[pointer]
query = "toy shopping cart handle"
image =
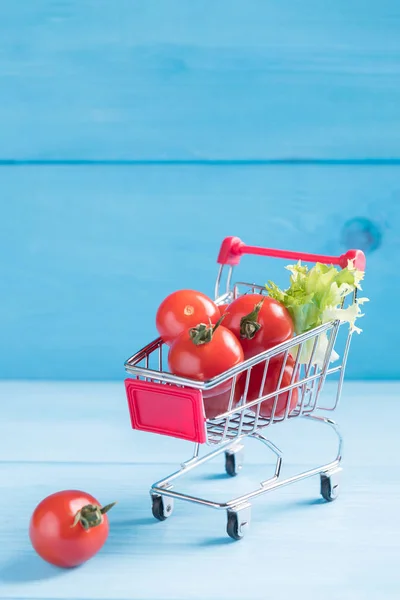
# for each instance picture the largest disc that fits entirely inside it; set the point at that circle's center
(232, 249)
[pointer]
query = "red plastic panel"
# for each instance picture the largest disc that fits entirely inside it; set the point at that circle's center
(166, 410)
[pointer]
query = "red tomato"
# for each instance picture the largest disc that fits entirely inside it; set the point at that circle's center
(182, 310)
(270, 386)
(68, 527)
(259, 322)
(203, 353)
(222, 308)
(218, 404)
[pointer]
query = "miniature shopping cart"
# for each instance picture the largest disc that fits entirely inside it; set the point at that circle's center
(163, 403)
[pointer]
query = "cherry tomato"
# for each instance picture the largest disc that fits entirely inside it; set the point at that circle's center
(270, 386)
(204, 352)
(182, 310)
(222, 308)
(68, 527)
(218, 404)
(259, 322)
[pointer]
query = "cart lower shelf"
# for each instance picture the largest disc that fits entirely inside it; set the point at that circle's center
(239, 509)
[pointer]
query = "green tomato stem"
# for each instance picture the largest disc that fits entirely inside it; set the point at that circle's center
(91, 515)
(249, 324)
(202, 333)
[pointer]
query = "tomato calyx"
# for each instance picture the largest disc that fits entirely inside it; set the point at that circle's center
(91, 515)
(249, 324)
(202, 333)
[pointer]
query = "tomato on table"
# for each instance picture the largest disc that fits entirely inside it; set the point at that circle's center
(69, 527)
(182, 310)
(259, 322)
(204, 352)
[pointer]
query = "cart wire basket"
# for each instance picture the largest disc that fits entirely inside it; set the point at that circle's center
(162, 403)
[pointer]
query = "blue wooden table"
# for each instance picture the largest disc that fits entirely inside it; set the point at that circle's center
(77, 435)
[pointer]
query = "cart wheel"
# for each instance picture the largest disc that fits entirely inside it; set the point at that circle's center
(238, 523)
(234, 461)
(162, 507)
(330, 485)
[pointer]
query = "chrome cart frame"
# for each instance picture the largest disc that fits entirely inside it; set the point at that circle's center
(227, 431)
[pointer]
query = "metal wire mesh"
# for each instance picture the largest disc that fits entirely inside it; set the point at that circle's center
(242, 414)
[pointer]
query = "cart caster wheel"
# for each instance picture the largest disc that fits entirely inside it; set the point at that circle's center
(330, 485)
(234, 461)
(162, 507)
(238, 523)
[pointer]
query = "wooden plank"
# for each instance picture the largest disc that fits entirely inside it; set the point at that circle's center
(90, 252)
(291, 532)
(302, 539)
(88, 422)
(169, 79)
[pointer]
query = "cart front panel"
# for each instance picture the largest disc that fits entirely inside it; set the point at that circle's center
(166, 410)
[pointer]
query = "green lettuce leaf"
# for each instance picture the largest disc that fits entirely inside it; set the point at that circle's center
(316, 296)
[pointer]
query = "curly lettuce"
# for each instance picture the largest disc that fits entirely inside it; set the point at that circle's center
(316, 296)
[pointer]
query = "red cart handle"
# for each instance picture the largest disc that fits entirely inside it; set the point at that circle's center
(232, 249)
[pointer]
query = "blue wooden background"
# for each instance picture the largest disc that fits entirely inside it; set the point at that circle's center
(135, 135)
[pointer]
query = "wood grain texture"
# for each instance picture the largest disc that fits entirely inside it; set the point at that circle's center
(39, 418)
(89, 252)
(168, 79)
(297, 546)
